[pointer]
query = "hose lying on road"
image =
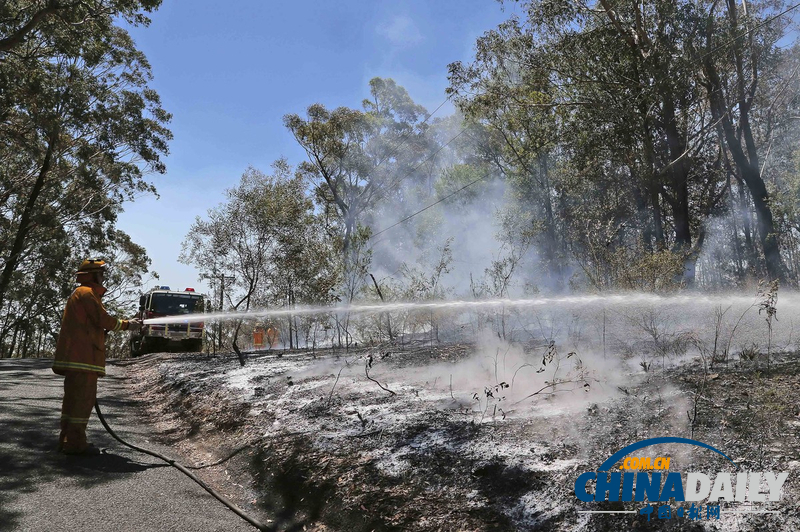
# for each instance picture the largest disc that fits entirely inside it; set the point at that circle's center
(238, 511)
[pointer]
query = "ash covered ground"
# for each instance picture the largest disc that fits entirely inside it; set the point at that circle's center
(488, 435)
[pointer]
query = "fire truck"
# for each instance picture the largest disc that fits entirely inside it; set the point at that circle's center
(160, 302)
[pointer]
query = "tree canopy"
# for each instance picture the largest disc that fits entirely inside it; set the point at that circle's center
(79, 130)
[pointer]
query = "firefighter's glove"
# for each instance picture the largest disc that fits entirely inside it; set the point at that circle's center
(134, 325)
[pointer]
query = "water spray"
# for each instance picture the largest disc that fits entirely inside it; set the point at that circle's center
(619, 300)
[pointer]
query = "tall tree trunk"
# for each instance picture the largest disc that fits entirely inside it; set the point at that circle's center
(679, 181)
(743, 207)
(653, 184)
(25, 222)
(766, 227)
(290, 320)
(550, 224)
(645, 221)
(658, 219)
(744, 157)
(26, 343)
(747, 224)
(39, 344)
(737, 245)
(13, 341)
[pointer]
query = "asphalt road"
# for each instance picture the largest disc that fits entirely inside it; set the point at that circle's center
(120, 490)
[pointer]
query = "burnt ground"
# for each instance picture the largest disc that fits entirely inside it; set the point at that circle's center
(380, 440)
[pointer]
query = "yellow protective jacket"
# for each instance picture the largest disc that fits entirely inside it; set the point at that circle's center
(82, 341)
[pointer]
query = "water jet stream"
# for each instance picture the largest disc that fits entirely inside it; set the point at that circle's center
(615, 300)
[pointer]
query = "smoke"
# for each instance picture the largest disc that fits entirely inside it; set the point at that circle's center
(496, 380)
(721, 260)
(594, 360)
(468, 223)
(471, 230)
(501, 379)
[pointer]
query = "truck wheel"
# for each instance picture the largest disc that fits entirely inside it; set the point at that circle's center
(138, 347)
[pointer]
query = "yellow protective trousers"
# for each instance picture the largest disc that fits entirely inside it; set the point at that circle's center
(80, 392)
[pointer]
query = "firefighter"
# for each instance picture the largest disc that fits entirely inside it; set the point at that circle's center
(81, 354)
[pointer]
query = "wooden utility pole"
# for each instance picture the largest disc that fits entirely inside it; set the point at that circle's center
(222, 280)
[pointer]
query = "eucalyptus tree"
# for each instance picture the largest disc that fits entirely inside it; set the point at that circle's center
(79, 131)
(63, 24)
(739, 50)
(622, 96)
(506, 91)
(359, 157)
(267, 236)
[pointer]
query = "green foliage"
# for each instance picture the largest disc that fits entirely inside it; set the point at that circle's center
(621, 114)
(80, 130)
(356, 158)
(268, 239)
(42, 28)
(606, 267)
(457, 177)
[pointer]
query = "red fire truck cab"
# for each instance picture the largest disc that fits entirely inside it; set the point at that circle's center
(160, 302)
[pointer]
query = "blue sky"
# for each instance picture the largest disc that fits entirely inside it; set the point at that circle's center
(229, 74)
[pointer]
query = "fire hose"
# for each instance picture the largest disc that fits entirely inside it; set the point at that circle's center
(183, 469)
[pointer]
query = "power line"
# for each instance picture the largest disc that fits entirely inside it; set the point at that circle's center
(404, 137)
(754, 28)
(713, 50)
(410, 172)
(484, 176)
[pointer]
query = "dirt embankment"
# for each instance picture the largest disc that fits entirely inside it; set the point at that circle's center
(384, 440)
